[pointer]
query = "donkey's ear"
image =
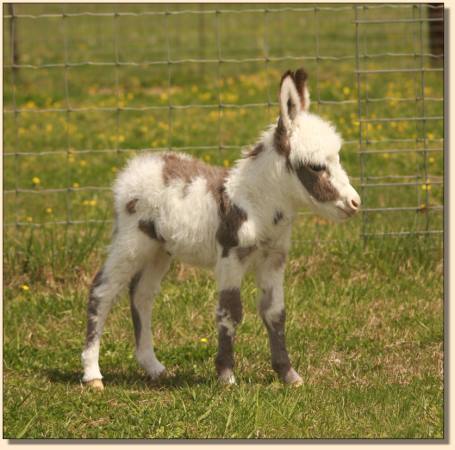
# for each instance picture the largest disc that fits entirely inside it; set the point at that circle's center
(290, 104)
(300, 79)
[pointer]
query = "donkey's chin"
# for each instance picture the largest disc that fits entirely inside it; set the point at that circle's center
(330, 212)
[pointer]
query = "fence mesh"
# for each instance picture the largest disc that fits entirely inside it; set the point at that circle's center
(87, 86)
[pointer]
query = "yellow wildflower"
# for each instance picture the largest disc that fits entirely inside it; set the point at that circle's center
(207, 158)
(346, 91)
(226, 163)
(49, 128)
(29, 219)
(83, 162)
(25, 288)
(49, 210)
(203, 340)
(431, 160)
(36, 181)
(114, 169)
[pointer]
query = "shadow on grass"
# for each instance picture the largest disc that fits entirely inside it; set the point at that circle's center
(131, 379)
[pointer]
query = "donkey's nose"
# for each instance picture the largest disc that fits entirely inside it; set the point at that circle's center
(354, 203)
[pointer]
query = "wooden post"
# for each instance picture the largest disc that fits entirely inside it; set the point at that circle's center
(13, 38)
(436, 32)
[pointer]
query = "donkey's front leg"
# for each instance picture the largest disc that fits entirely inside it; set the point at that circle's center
(229, 275)
(270, 275)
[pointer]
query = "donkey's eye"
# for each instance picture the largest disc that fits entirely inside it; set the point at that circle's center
(316, 167)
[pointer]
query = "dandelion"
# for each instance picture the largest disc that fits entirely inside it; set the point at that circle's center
(25, 287)
(205, 96)
(203, 340)
(29, 219)
(30, 105)
(207, 158)
(346, 91)
(36, 181)
(431, 160)
(82, 162)
(49, 210)
(430, 136)
(386, 156)
(226, 163)
(164, 96)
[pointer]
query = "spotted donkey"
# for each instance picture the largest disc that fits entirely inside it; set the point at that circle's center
(170, 205)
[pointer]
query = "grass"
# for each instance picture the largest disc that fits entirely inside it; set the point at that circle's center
(365, 318)
(364, 330)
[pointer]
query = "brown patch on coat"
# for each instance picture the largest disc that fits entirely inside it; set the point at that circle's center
(280, 358)
(231, 219)
(229, 303)
(278, 217)
(131, 206)
(148, 227)
(317, 183)
(244, 252)
(187, 169)
(92, 308)
(281, 143)
(256, 151)
(134, 311)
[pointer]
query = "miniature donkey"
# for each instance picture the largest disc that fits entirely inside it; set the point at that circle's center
(169, 205)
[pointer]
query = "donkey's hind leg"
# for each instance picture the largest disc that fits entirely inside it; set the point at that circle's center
(144, 286)
(115, 275)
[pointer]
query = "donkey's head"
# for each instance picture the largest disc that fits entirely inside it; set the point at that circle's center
(311, 146)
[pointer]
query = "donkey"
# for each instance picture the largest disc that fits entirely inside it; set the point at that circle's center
(169, 205)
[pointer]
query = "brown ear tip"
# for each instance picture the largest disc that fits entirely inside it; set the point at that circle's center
(301, 74)
(286, 74)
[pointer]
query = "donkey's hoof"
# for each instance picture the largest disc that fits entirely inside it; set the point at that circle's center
(292, 378)
(95, 384)
(157, 372)
(226, 378)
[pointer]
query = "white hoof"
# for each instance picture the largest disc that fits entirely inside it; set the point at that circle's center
(95, 384)
(292, 378)
(155, 371)
(226, 378)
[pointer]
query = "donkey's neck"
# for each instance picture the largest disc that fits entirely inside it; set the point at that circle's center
(260, 183)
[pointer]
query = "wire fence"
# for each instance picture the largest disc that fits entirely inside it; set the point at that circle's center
(86, 86)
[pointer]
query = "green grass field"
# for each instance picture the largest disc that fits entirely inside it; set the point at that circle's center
(365, 317)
